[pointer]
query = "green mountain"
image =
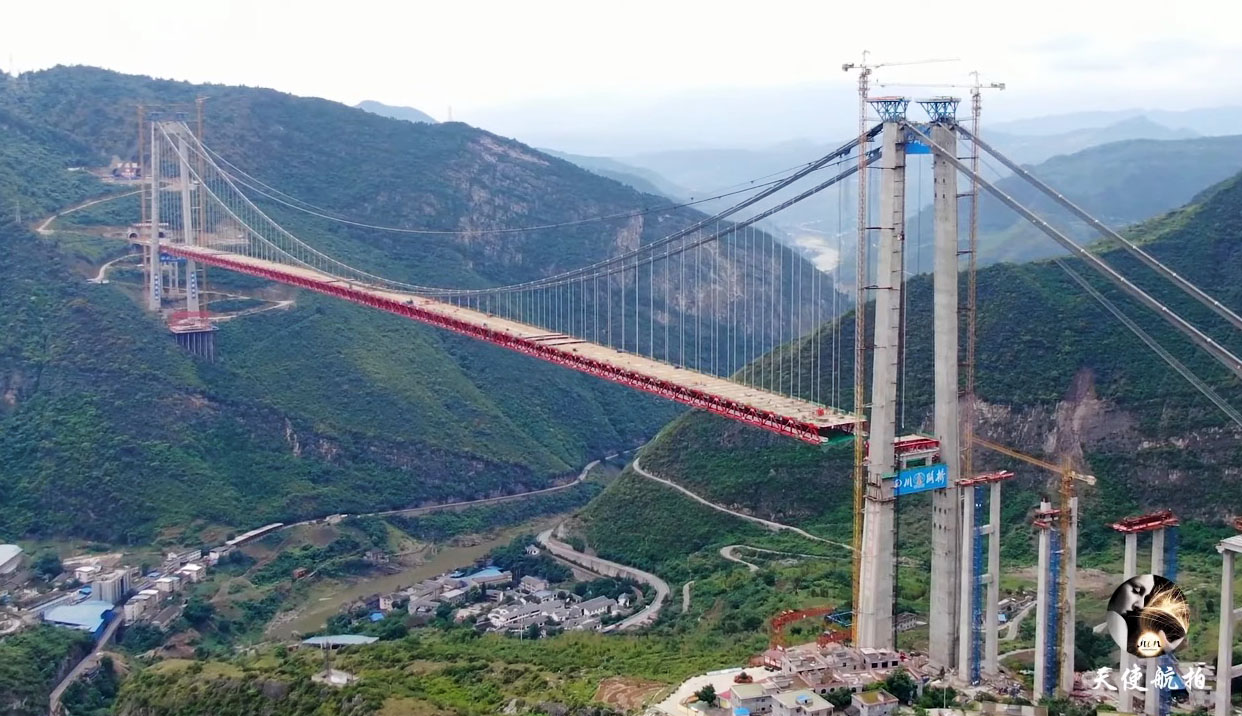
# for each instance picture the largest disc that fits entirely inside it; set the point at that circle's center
(643, 180)
(408, 114)
(1119, 183)
(108, 431)
(1056, 375)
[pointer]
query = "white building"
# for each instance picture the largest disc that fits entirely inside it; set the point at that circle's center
(86, 573)
(192, 572)
(10, 558)
(873, 703)
(136, 607)
(752, 697)
(598, 606)
(800, 703)
(111, 587)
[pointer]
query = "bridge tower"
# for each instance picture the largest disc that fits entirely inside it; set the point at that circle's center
(948, 605)
(151, 253)
(878, 563)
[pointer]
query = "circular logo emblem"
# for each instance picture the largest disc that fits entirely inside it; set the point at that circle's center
(1148, 616)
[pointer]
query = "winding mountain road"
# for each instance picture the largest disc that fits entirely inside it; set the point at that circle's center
(44, 228)
(769, 524)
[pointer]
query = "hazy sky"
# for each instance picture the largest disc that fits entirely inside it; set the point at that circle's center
(523, 63)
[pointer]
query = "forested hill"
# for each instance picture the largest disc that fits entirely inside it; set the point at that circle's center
(1119, 183)
(108, 431)
(1056, 375)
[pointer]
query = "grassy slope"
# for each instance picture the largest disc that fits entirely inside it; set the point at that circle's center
(1119, 183)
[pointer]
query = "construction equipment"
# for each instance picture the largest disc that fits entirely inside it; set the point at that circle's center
(860, 289)
(1064, 515)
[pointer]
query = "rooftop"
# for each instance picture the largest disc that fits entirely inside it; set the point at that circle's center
(9, 551)
(339, 640)
(485, 573)
(746, 691)
(874, 698)
(802, 697)
(87, 615)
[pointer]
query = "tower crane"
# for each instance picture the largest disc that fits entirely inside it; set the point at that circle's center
(865, 68)
(1069, 477)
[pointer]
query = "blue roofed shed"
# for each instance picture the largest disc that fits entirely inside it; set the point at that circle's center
(91, 615)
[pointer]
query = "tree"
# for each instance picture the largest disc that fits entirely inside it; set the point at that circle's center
(900, 684)
(47, 565)
(531, 632)
(707, 695)
(839, 698)
(198, 611)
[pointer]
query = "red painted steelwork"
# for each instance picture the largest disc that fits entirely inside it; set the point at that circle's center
(773, 422)
(1146, 523)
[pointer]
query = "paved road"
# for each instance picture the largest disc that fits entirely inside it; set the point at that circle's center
(644, 616)
(455, 505)
(44, 227)
(729, 553)
(103, 270)
(774, 526)
(87, 663)
(1011, 632)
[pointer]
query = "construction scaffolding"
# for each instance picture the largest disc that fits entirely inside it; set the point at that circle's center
(1049, 656)
(977, 586)
(1167, 661)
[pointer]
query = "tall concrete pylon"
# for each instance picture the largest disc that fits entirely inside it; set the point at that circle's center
(1041, 607)
(155, 279)
(875, 593)
(946, 586)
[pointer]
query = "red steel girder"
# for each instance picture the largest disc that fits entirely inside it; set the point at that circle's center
(767, 420)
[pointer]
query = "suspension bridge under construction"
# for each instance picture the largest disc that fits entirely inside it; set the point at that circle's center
(720, 316)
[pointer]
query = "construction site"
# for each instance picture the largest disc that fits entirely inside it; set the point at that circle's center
(964, 603)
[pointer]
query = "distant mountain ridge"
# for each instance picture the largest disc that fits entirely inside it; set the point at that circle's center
(409, 114)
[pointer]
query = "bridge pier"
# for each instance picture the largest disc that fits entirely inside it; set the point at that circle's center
(878, 563)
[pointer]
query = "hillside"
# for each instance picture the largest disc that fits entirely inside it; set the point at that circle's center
(320, 408)
(1119, 183)
(1055, 374)
(408, 114)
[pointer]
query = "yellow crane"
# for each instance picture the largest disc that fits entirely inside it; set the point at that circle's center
(1067, 493)
(865, 68)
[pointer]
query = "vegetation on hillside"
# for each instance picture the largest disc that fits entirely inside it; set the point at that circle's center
(32, 662)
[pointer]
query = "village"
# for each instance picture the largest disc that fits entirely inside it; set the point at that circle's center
(527, 603)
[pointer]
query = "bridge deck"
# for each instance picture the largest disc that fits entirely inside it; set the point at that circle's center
(789, 416)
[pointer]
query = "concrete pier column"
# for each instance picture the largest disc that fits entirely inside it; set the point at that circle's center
(875, 590)
(1224, 648)
(946, 621)
(1069, 568)
(991, 646)
(1125, 698)
(968, 585)
(1151, 703)
(1041, 606)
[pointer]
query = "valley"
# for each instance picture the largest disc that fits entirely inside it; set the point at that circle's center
(630, 468)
